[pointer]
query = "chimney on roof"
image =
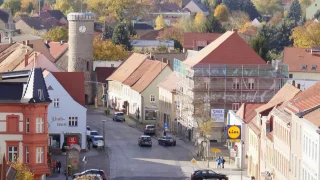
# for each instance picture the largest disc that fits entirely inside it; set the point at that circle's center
(10, 40)
(298, 86)
(268, 62)
(62, 42)
(294, 83)
(235, 30)
(26, 57)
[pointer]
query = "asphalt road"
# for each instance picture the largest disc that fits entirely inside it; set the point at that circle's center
(130, 161)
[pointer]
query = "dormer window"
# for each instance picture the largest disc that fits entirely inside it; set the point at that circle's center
(40, 94)
(314, 67)
(304, 67)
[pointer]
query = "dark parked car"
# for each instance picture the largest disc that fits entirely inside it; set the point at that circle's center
(167, 141)
(118, 116)
(150, 129)
(91, 135)
(207, 174)
(92, 172)
(145, 141)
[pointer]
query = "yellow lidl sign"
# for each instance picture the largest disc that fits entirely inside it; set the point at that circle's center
(233, 132)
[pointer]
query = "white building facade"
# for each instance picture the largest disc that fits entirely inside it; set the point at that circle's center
(66, 117)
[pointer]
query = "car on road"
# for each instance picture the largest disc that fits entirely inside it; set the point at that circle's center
(97, 141)
(150, 129)
(167, 141)
(207, 174)
(145, 141)
(118, 116)
(91, 172)
(91, 134)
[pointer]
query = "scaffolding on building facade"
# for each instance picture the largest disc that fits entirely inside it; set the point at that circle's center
(223, 86)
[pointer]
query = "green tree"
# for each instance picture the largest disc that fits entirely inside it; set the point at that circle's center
(106, 50)
(317, 15)
(130, 29)
(222, 12)
(244, 5)
(13, 5)
(121, 37)
(160, 22)
(294, 13)
(57, 34)
(268, 7)
(259, 45)
(213, 25)
(107, 31)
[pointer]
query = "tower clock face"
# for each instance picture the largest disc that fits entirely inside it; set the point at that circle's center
(82, 29)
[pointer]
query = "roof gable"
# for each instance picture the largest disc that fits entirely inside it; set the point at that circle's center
(103, 73)
(43, 62)
(229, 48)
(56, 14)
(128, 67)
(73, 83)
(139, 72)
(196, 6)
(170, 83)
(154, 70)
(191, 38)
(247, 111)
(57, 49)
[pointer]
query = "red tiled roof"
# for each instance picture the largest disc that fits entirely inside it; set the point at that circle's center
(295, 58)
(73, 83)
(139, 72)
(103, 73)
(190, 38)
(306, 99)
(247, 111)
(127, 67)
(57, 49)
(252, 125)
(313, 117)
(287, 92)
(170, 83)
(229, 48)
(154, 70)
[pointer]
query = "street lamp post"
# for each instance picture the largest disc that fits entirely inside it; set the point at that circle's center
(241, 162)
(104, 137)
(67, 154)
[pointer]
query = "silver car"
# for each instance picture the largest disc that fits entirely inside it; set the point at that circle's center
(119, 116)
(97, 141)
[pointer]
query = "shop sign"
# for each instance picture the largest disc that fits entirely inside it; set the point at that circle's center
(57, 119)
(72, 140)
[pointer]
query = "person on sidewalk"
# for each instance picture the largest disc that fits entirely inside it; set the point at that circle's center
(219, 161)
(54, 166)
(223, 161)
(59, 166)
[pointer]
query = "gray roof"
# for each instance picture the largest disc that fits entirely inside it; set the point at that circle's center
(143, 43)
(195, 3)
(15, 90)
(36, 22)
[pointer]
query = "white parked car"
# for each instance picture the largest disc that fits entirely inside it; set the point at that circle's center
(97, 141)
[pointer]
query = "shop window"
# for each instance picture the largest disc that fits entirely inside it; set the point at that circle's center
(235, 106)
(39, 155)
(56, 102)
(150, 115)
(39, 125)
(12, 153)
(27, 155)
(152, 98)
(27, 125)
(73, 121)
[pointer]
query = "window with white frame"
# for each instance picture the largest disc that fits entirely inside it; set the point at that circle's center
(235, 106)
(27, 125)
(39, 125)
(56, 102)
(236, 83)
(27, 155)
(251, 83)
(73, 121)
(39, 155)
(152, 98)
(12, 153)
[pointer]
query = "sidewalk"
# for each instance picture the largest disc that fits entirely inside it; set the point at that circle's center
(228, 166)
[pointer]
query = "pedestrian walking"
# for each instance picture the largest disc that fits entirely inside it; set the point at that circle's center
(223, 161)
(219, 161)
(164, 133)
(59, 166)
(54, 166)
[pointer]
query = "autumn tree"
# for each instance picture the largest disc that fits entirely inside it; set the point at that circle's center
(106, 50)
(186, 24)
(294, 13)
(160, 22)
(13, 5)
(57, 34)
(237, 20)
(244, 5)
(23, 172)
(121, 37)
(277, 17)
(307, 35)
(199, 22)
(64, 6)
(213, 25)
(222, 12)
(268, 7)
(172, 33)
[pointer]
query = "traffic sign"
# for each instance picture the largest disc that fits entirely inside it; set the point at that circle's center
(166, 125)
(233, 132)
(215, 150)
(193, 161)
